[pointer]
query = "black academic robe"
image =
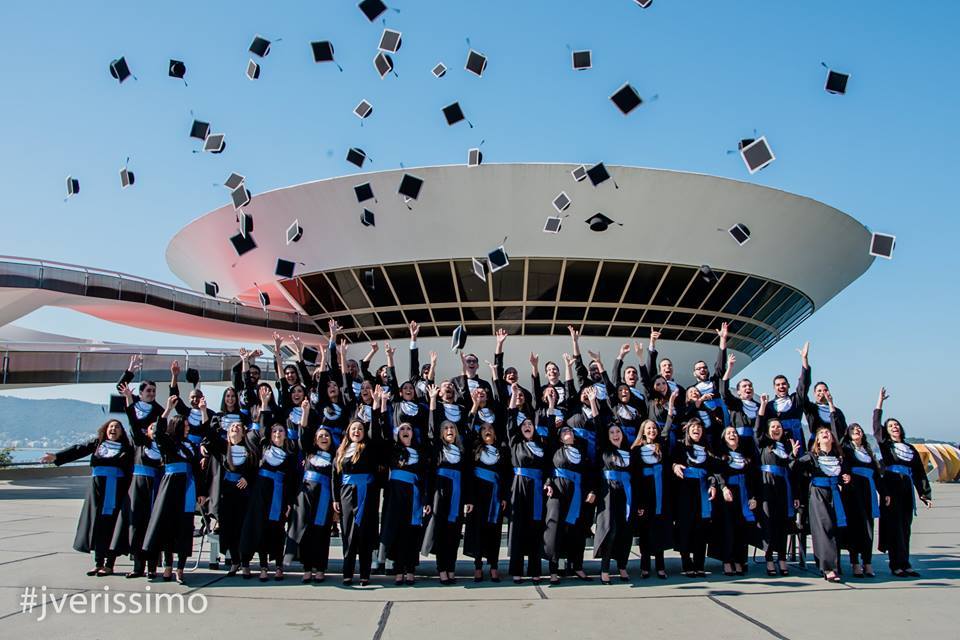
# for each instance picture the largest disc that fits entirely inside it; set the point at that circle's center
(859, 498)
(525, 536)
(733, 530)
(131, 527)
(688, 499)
(219, 424)
(484, 525)
(401, 531)
(654, 530)
(777, 492)
(743, 418)
(789, 409)
(615, 510)
(231, 500)
(363, 534)
(638, 398)
(261, 532)
(563, 393)
(824, 505)
(564, 535)
(95, 528)
(308, 537)
(896, 519)
(171, 522)
(654, 369)
(444, 525)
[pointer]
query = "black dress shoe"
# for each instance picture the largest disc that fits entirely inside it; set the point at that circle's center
(729, 573)
(771, 572)
(347, 582)
(364, 582)
(911, 573)
(784, 572)
(134, 574)
(602, 581)
(93, 572)
(662, 576)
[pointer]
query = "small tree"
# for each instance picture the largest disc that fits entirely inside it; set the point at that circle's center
(6, 457)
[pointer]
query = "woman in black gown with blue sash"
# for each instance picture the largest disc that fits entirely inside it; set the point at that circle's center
(735, 524)
(308, 537)
(111, 460)
(861, 502)
(615, 508)
(695, 487)
(570, 488)
(903, 472)
(491, 488)
(405, 501)
(650, 459)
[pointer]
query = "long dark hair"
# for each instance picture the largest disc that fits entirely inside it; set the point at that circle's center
(102, 432)
(223, 400)
(176, 427)
(686, 432)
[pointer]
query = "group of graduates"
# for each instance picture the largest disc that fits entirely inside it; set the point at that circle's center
(400, 469)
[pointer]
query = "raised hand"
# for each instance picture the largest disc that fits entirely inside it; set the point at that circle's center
(256, 353)
(638, 349)
(305, 405)
(882, 397)
(568, 359)
(414, 330)
(388, 349)
(125, 390)
(501, 335)
(804, 351)
(136, 363)
(48, 458)
(172, 402)
(731, 360)
(764, 399)
(573, 332)
(277, 341)
(175, 368)
(433, 358)
(264, 394)
(202, 403)
(829, 397)
(433, 391)
(624, 350)
(534, 359)
(654, 336)
(243, 353)
(297, 344)
(723, 331)
(591, 392)
(795, 448)
(374, 347)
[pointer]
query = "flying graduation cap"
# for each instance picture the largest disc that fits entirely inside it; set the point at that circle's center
(598, 174)
(740, 233)
(882, 244)
(459, 338)
(294, 232)
(600, 222)
(233, 181)
(474, 157)
(373, 9)
(626, 98)
(177, 69)
(410, 186)
(363, 110)
(439, 70)
(476, 63)
(126, 177)
(73, 186)
(356, 156)
(284, 268)
(120, 70)
(498, 259)
(215, 143)
(756, 154)
(368, 218)
(199, 130)
(260, 46)
(836, 82)
(390, 41)
(323, 52)
(253, 70)
(454, 114)
(582, 60)
(480, 269)
(383, 63)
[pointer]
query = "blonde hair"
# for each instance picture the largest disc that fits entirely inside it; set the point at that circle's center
(342, 449)
(639, 440)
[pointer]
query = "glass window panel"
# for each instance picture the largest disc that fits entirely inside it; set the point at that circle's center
(772, 305)
(379, 294)
(133, 291)
(655, 318)
(100, 286)
(472, 288)
(594, 330)
(346, 322)
(612, 282)
(418, 315)
(475, 330)
(673, 285)
(508, 282)
(578, 280)
(446, 315)
(377, 334)
(679, 318)
(763, 296)
(750, 287)
(600, 314)
(427, 331)
(543, 280)
(536, 329)
(669, 334)
(699, 290)
(438, 282)
(569, 313)
(701, 321)
(722, 292)
(629, 315)
(324, 293)
(621, 331)
(539, 313)
(344, 282)
(507, 313)
(476, 313)
(405, 283)
(644, 283)
(560, 329)
(391, 317)
(511, 327)
(736, 326)
(366, 319)
(299, 292)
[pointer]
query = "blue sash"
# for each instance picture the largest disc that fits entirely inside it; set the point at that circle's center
(408, 477)
(832, 482)
(232, 476)
(190, 495)
(904, 470)
(454, 476)
(110, 492)
(493, 513)
(573, 476)
(293, 434)
(777, 470)
(793, 426)
(276, 498)
(740, 481)
(867, 472)
(656, 470)
(360, 482)
(629, 433)
(745, 432)
(194, 438)
(537, 476)
(323, 500)
(148, 472)
(706, 510)
(623, 478)
(591, 439)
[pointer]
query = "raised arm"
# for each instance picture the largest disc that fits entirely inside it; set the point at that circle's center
(759, 426)
(501, 337)
(618, 363)
(879, 433)
(414, 351)
(652, 353)
(720, 368)
(803, 386)
(392, 385)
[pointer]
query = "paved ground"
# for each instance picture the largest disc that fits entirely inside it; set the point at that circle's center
(38, 519)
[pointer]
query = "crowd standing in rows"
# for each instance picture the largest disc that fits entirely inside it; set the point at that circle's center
(401, 469)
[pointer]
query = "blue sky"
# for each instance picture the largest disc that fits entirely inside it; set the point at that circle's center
(883, 153)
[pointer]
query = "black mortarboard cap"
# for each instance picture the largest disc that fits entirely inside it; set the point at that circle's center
(390, 41)
(233, 181)
(410, 186)
(177, 69)
(498, 259)
(363, 110)
(264, 299)
(240, 196)
(474, 157)
(260, 46)
(836, 82)
(707, 274)
(193, 376)
(199, 130)
(599, 222)
(118, 404)
(383, 64)
(439, 70)
(73, 186)
(211, 288)
(626, 98)
(310, 355)
(322, 51)
(356, 156)
(215, 143)
(453, 113)
(372, 9)
(562, 201)
(119, 69)
(368, 219)
(579, 174)
(364, 192)
(246, 222)
(284, 268)
(757, 154)
(243, 243)
(552, 225)
(582, 60)
(126, 178)
(253, 70)
(881, 245)
(476, 63)
(740, 233)
(294, 232)
(459, 338)
(598, 174)
(369, 279)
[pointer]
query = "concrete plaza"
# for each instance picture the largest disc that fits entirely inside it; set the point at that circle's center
(38, 518)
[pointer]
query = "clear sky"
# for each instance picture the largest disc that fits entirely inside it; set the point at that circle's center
(883, 153)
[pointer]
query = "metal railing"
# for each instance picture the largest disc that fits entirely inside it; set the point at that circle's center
(30, 273)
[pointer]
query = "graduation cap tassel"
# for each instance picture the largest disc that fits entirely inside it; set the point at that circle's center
(338, 66)
(824, 65)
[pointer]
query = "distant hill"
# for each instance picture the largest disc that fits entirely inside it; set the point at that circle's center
(47, 423)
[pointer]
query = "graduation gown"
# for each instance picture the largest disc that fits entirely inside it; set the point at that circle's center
(265, 519)
(110, 466)
(401, 530)
(692, 508)
(219, 424)
(308, 537)
(903, 472)
(567, 519)
(229, 465)
(776, 512)
(359, 503)
(171, 521)
(825, 507)
(743, 417)
(137, 505)
(735, 524)
(530, 465)
(450, 491)
(861, 502)
(490, 481)
(615, 510)
(649, 470)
